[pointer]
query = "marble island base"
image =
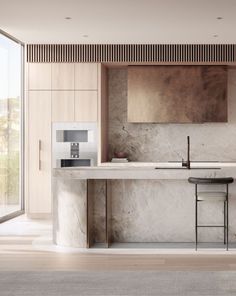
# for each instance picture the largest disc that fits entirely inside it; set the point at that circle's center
(161, 210)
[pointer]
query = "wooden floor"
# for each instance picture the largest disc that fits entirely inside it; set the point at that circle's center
(98, 262)
(25, 245)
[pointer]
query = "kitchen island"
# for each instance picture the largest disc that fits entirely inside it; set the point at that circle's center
(135, 202)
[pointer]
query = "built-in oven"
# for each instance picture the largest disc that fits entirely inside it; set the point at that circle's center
(74, 144)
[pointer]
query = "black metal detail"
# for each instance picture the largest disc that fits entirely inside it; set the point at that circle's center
(225, 181)
(187, 163)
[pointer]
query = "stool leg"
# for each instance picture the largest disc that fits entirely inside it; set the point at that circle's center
(196, 225)
(227, 217)
(224, 223)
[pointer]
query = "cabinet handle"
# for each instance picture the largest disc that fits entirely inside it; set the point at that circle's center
(40, 144)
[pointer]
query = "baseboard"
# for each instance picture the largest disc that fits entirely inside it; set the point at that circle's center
(43, 216)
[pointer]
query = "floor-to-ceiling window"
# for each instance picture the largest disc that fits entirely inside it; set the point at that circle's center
(11, 104)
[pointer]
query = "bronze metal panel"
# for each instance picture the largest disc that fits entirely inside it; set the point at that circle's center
(177, 94)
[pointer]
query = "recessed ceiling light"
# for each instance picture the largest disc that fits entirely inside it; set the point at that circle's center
(215, 35)
(67, 18)
(219, 18)
(85, 36)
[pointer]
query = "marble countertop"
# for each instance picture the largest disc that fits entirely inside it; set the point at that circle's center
(165, 171)
(177, 164)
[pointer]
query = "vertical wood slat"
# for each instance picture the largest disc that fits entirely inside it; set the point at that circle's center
(69, 53)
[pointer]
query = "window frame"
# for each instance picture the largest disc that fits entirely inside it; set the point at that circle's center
(22, 133)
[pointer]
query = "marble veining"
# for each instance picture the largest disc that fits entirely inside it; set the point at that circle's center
(141, 211)
(165, 142)
(160, 209)
(69, 212)
(164, 211)
(99, 211)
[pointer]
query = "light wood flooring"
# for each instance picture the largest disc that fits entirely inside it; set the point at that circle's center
(27, 245)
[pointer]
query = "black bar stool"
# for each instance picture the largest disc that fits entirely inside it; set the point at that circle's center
(201, 196)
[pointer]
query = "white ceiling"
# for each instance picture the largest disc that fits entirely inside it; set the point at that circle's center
(119, 21)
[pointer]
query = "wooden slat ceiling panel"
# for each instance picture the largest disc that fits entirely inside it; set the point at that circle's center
(115, 53)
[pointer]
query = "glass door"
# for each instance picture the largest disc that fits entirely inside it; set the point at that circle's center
(11, 106)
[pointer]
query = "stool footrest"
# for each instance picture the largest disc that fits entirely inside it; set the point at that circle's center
(210, 226)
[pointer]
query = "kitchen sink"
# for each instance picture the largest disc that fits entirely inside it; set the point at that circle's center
(184, 168)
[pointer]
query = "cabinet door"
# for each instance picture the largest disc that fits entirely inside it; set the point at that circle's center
(63, 76)
(39, 152)
(86, 106)
(86, 76)
(39, 76)
(63, 106)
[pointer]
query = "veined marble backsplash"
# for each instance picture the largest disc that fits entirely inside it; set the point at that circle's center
(167, 142)
(162, 211)
(159, 211)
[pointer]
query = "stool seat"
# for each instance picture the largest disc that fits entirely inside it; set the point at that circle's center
(202, 181)
(211, 196)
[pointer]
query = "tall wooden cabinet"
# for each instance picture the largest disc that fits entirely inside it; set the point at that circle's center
(86, 106)
(86, 76)
(39, 76)
(63, 76)
(39, 152)
(56, 92)
(63, 106)
(75, 92)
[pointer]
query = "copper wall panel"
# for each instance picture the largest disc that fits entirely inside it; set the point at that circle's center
(177, 94)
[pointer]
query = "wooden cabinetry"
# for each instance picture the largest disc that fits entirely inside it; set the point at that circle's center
(39, 76)
(63, 76)
(86, 76)
(39, 152)
(86, 106)
(80, 106)
(58, 92)
(76, 95)
(63, 106)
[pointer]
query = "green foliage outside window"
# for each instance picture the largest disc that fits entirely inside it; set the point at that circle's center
(9, 150)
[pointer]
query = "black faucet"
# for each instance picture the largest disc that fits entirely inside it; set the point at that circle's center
(186, 164)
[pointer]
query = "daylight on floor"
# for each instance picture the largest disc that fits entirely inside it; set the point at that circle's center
(117, 148)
